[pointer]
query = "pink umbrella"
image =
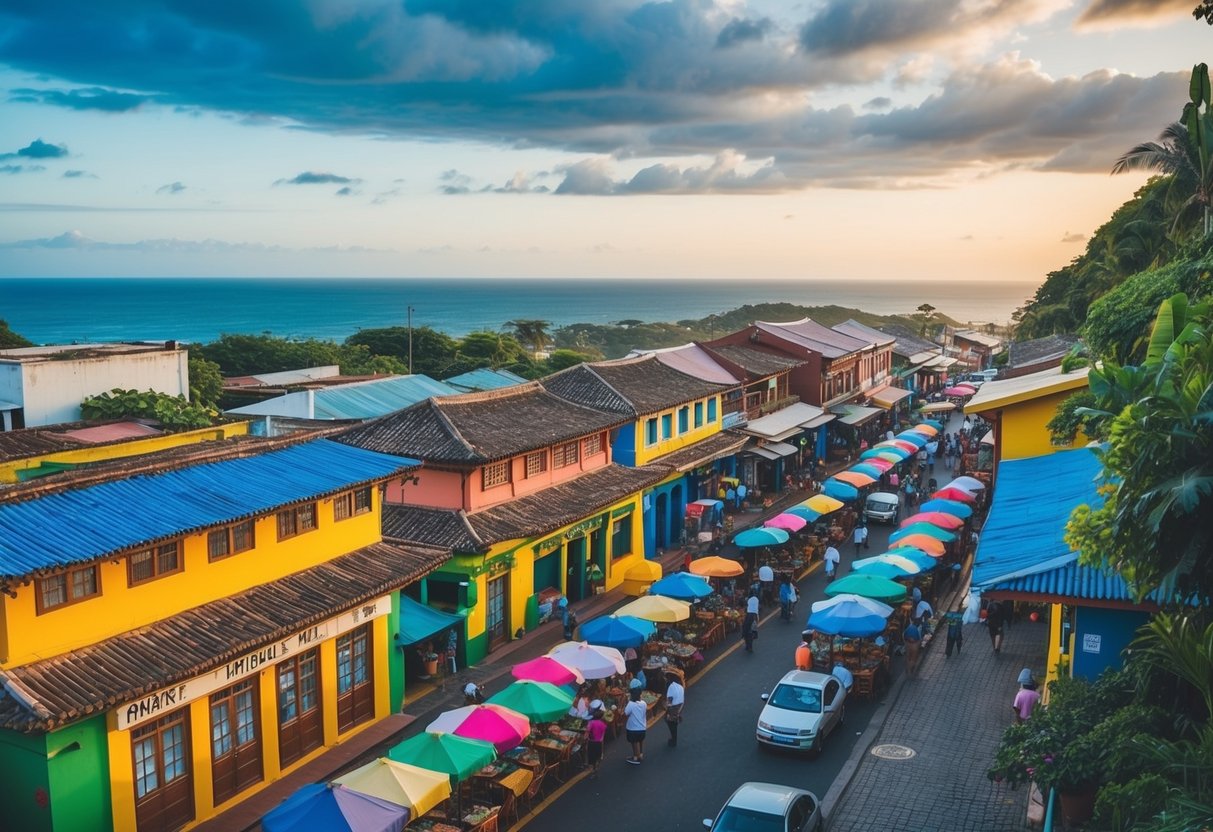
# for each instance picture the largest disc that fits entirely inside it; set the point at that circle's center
(877, 462)
(935, 518)
(898, 443)
(503, 727)
(959, 391)
(547, 669)
(787, 522)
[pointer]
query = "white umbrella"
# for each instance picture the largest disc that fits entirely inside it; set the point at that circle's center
(594, 661)
(906, 565)
(869, 604)
(968, 484)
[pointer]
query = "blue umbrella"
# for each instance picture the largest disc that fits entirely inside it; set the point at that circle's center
(682, 585)
(804, 512)
(321, 806)
(881, 569)
(618, 631)
(870, 470)
(850, 615)
(953, 507)
(913, 437)
(765, 536)
(839, 490)
(933, 423)
(917, 555)
(930, 530)
(887, 566)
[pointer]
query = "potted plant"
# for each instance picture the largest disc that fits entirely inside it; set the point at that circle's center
(430, 660)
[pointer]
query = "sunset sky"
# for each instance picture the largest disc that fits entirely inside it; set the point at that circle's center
(928, 139)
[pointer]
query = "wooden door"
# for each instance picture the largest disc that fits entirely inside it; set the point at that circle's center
(164, 791)
(497, 612)
(235, 739)
(300, 716)
(355, 678)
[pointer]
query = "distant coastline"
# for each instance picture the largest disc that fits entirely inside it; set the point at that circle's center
(66, 310)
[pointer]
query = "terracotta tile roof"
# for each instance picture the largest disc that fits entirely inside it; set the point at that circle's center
(630, 386)
(757, 363)
(21, 444)
(99, 677)
(473, 428)
(714, 447)
(443, 527)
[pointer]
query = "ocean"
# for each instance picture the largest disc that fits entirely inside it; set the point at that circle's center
(67, 310)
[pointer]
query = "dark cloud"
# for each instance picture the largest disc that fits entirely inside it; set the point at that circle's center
(91, 98)
(78, 174)
(13, 169)
(1073, 238)
(845, 26)
(38, 149)
(171, 188)
(739, 30)
(1121, 11)
(346, 191)
(879, 103)
(310, 177)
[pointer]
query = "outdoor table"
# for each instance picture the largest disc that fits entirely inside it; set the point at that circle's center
(732, 619)
(525, 757)
(479, 818)
(507, 775)
(573, 723)
(439, 823)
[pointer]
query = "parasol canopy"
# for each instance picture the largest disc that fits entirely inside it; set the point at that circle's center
(823, 503)
(502, 727)
(887, 453)
(752, 538)
(887, 566)
(918, 556)
(683, 586)
(955, 507)
(849, 615)
(656, 608)
(935, 518)
(593, 661)
(839, 490)
(930, 530)
(615, 631)
(933, 423)
(855, 478)
(787, 521)
(953, 493)
(899, 445)
(938, 407)
(413, 787)
(869, 586)
(959, 391)
(925, 430)
(335, 808)
(804, 513)
(457, 757)
(714, 566)
(537, 701)
(881, 465)
(969, 484)
(930, 545)
(547, 669)
(913, 437)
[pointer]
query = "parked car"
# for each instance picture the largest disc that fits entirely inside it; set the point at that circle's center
(802, 710)
(767, 807)
(881, 507)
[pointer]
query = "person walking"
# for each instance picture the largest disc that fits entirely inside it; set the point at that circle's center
(995, 619)
(860, 536)
(932, 449)
(955, 621)
(912, 638)
(637, 713)
(831, 559)
(675, 699)
(569, 619)
(804, 651)
(785, 599)
(749, 626)
(742, 492)
(766, 579)
(595, 736)
(1027, 698)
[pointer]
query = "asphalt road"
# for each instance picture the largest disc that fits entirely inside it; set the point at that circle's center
(676, 788)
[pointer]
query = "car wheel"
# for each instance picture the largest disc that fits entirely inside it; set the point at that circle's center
(816, 749)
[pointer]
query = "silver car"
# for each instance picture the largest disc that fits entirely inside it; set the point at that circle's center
(802, 710)
(767, 807)
(881, 507)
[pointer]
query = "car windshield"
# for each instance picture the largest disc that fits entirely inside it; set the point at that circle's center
(796, 698)
(734, 819)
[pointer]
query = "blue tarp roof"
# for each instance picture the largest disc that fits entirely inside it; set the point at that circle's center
(1024, 532)
(417, 621)
(484, 379)
(371, 399)
(1080, 582)
(81, 524)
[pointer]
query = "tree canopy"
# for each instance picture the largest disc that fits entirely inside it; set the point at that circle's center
(10, 339)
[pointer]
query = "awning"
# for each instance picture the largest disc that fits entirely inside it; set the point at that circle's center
(888, 397)
(772, 450)
(417, 621)
(938, 407)
(785, 423)
(819, 421)
(853, 414)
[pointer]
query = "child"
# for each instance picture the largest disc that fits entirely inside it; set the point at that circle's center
(595, 733)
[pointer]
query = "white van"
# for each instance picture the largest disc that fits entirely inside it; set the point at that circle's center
(881, 507)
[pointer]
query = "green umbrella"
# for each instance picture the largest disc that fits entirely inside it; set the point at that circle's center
(457, 756)
(929, 529)
(869, 586)
(539, 701)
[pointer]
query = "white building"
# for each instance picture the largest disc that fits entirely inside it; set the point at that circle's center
(45, 385)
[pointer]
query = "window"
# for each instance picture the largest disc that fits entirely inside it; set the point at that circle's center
(536, 463)
(297, 520)
(593, 444)
(229, 540)
(350, 503)
(667, 425)
(565, 455)
(156, 562)
(711, 410)
(67, 588)
(650, 431)
(160, 750)
(621, 537)
(698, 414)
(496, 473)
(684, 419)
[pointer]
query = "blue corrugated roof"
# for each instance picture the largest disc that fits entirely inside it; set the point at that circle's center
(78, 525)
(485, 379)
(1078, 582)
(1024, 532)
(371, 399)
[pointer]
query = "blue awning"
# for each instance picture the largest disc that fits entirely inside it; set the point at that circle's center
(417, 621)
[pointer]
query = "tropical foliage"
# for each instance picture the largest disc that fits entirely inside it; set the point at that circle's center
(206, 382)
(10, 339)
(172, 412)
(239, 355)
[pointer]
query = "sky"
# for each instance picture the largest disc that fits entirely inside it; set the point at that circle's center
(843, 139)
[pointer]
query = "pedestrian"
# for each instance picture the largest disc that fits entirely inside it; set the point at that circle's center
(831, 558)
(595, 735)
(994, 623)
(932, 449)
(637, 713)
(731, 496)
(785, 599)
(749, 626)
(721, 493)
(804, 651)
(1027, 697)
(569, 619)
(922, 615)
(766, 578)
(846, 677)
(955, 622)
(860, 536)
(912, 638)
(742, 492)
(675, 699)
(911, 493)
(894, 480)
(631, 660)
(795, 596)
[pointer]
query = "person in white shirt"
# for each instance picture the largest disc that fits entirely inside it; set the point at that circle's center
(860, 536)
(843, 675)
(749, 625)
(766, 577)
(831, 558)
(637, 712)
(675, 697)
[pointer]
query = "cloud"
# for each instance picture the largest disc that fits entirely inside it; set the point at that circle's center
(171, 188)
(739, 30)
(1112, 12)
(38, 149)
(881, 102)
(1073, 238)
(309, 177)
(77, 241)
(14, 169)
(454, 182)
(78, 174)
(90, 98)
(346, 191)
(727, 173)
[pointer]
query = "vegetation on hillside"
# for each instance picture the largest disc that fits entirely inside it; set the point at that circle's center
(174, 413)
(10, 339)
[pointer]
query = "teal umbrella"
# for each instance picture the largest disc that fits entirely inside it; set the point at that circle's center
(917, 555)
(869, 586)
(929, 529)
(450, 754)
(764, 536)
(839, 490)
(804, 512)
(913, 437)
(539, 701)
(948, 507)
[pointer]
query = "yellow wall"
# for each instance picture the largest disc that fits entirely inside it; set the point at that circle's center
(647, 453)
(121, 450)
(1022, 427)
(121, 763)
(28, 636)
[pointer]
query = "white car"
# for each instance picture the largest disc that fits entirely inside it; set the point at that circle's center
(881, 507)
(766, 807)
(802, 710)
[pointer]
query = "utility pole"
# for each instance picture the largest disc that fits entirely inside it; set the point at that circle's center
(410, 340)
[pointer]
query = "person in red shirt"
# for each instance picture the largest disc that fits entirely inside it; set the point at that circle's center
(804, 652)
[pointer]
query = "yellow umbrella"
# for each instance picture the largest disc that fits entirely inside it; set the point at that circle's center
(855, 478)
(638, 579)
(416, 788)
(823, 503)
(930, 545)
(925, 430)
(716, 567)
(657, 608)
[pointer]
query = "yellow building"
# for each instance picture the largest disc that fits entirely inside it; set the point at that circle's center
(211, 618)
(1020, 408)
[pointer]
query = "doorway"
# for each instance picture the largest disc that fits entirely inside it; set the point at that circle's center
(497, 611)
(661, 527)
(575, 568)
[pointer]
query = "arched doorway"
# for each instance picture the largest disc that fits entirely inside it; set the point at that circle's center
(677, 514)
(661, 526)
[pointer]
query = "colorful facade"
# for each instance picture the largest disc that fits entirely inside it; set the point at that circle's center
(1020, 409)
(213, 621)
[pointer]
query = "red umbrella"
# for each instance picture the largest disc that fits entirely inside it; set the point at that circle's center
(877, 462)
(898, 443)
(935, 518)
(953, 494)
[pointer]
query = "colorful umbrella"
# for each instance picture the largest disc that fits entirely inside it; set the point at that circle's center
(938, 407)
(804, 513)
(920, 541)
(879, 464)
(959, 392)
(855, 478)
(657, 608)
(952, 493)
(823, 503)
(615, 631)
(925, 430)
(933, 423)
(853, 616)
(970, 484)
(869, 586)
(716, 567)
(913, 437)
(948, 507)
(751, 538)
(924, 561)
(840, 490)
(683, 586)
(902, 445)
(787, 521)
(593, 661)
(415, 788)
(929, 529)
(887, 566)
(538, 701)
(502, 727)
(872, 469)
(547, 669)
(457, 757)
(335, 808)
(885, 453)
(935, 518)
